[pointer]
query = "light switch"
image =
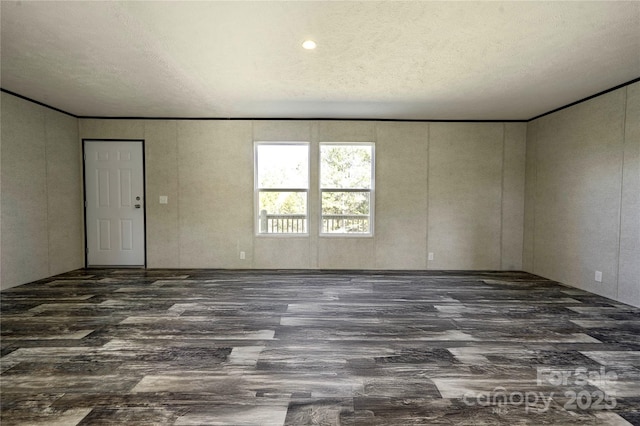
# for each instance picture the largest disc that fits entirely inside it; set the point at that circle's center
(164, 199)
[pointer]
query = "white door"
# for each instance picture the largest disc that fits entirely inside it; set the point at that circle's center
(114, 186)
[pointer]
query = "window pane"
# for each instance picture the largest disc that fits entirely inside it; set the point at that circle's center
(346, 212)
(283, 166)
(282, 212)
(345, 166)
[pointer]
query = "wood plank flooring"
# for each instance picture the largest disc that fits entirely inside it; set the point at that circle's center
(212, 347)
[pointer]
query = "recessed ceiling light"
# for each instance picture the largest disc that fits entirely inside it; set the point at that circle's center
(309, 44)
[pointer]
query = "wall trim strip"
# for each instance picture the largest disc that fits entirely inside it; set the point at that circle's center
(604, 92)
(399, 120)
(37, 102)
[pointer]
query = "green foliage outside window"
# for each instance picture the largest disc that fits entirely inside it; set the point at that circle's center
(344, 170)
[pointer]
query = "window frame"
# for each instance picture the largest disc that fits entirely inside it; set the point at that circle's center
(371, 192)
(257, 190)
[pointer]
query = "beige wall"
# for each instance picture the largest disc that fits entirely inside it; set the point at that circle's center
(462, 182)
(629, 260)
(582, 193)
(42, 231)
(456, 190)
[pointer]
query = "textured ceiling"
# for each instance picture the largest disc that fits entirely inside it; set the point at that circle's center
(391, 60)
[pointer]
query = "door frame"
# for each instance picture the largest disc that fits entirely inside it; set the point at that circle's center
(84, 200)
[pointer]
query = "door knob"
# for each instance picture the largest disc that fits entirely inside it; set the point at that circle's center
(137, 206)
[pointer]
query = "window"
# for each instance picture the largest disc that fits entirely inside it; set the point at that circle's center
(282, 187)
(346, 186)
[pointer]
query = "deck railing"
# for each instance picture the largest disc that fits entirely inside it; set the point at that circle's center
(282, 223)
(297, 223)
(345, 224)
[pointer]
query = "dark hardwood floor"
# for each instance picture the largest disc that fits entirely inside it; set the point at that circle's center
(207, 347)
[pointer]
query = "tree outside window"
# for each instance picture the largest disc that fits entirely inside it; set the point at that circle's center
(346, 185)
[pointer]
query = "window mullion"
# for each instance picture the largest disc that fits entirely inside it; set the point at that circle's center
(283, 190)
(345, 189)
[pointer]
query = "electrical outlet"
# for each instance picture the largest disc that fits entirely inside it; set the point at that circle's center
(243, 256)
(598, 276)
(164, 199)
(430, 256)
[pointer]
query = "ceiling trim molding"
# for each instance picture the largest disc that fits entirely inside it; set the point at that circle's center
(37, 102)
(398, 120)
(604, 92)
